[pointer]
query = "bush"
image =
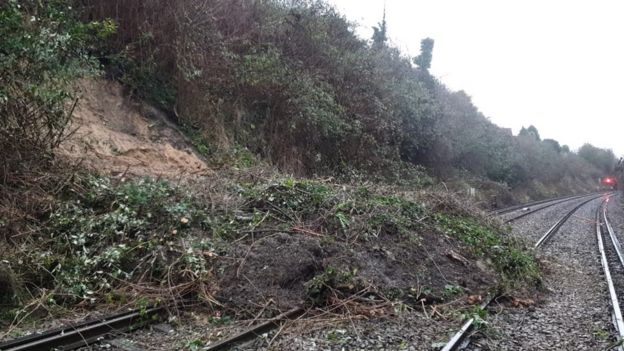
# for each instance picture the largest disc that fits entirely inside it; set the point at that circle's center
(106, 234)
(293, 83)
(515, 264)
(43, 49)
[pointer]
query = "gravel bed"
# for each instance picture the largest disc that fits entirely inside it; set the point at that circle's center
(575, 313)
(404, 331)
(616, 215)
(615, 266)
(408, 331)
(533, 226)
(529, 207)
(190, 330)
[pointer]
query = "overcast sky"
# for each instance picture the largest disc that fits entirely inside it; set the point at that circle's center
(556, 64)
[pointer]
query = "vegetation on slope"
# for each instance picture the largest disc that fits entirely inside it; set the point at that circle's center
(290, 81)
(133, 241)
(43, 49)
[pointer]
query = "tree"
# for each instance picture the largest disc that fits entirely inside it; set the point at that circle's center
(553, 144)
(534, 131)
(426, 54)
(380, 33)
(42, 51)
(603, 159)
(530, 132)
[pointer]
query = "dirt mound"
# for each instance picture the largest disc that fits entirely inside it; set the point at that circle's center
(278, 266)
(115, 135)
(306, 237)
(274, 267)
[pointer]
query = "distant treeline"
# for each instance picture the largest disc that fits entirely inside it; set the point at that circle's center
(291, 82)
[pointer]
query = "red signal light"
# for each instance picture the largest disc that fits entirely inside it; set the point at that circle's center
(608, 180)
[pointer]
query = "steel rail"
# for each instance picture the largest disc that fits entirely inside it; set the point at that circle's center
(547, 206)
(615, 304)
(87, 333)
(456, 342)
(616, 242)
(255, 330)
(506, 210)
(83, 334)
(555, 228)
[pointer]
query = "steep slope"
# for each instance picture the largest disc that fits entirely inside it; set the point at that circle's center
(245, 242)
(113, 134)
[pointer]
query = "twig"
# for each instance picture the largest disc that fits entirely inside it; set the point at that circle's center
(306, 231)
(279, 331)
(270, 301)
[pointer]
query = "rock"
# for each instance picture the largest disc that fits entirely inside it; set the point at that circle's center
(163, 328)
(124, 344)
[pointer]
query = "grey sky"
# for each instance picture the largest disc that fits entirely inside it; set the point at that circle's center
(556, 64)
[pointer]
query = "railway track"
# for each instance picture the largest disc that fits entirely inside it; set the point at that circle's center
(461, 339)
(87, 333)
(612, 260)
(549, 203)
(531, 204)
(84, 334)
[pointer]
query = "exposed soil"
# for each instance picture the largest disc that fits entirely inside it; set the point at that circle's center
(277, 266)
(115, 135)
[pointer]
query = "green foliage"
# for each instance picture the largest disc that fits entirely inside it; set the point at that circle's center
(477, 313)
(380, 33)
(301, 197)
(43, 49)
(602, 159)
(235, 157)
(601, 334)
(515, 263)
(426, 54)
(341, 213)
(116, 232)
(477, 236)
(319, 288)
(451, 291)
(318, 103)
(263, 69)
(143, 78)
(474, 144)
(530, 132)
(220, 320)
(292, 83)
(554, 144)
(194, 345)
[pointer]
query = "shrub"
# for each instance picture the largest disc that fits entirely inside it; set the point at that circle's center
(106, 234)
(293, 83)
(515, 264)
(43, 49)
